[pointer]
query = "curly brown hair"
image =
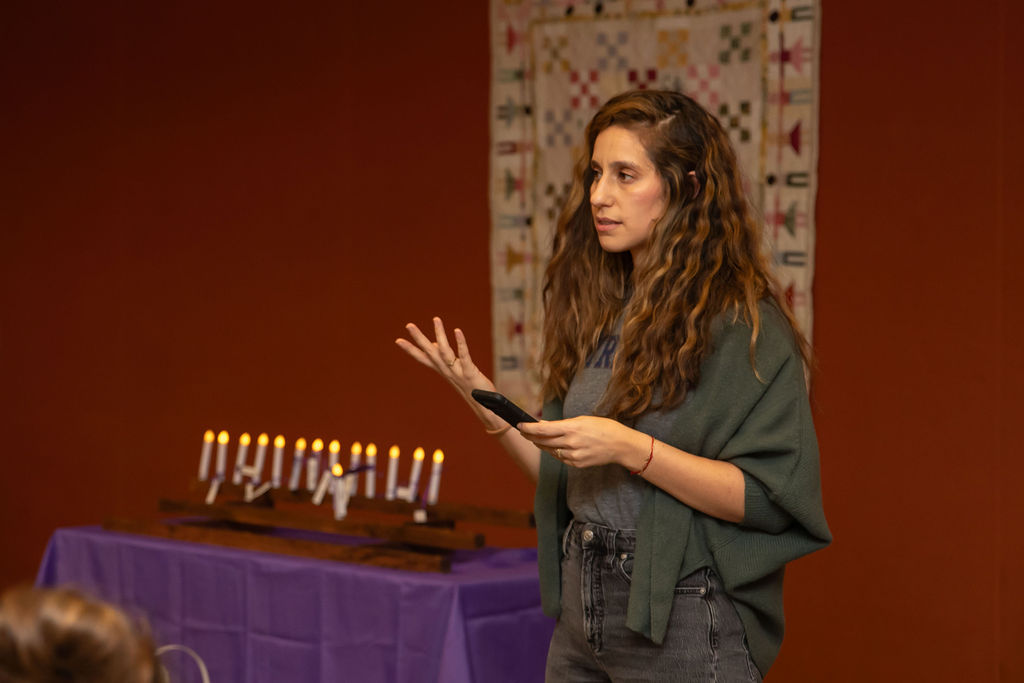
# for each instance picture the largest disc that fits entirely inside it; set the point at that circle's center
(705, 258)
(60, 634)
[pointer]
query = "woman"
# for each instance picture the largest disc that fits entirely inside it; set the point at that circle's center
(676, 464)
(59, 634)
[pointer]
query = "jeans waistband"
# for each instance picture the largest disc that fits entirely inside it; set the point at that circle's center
(599, 537)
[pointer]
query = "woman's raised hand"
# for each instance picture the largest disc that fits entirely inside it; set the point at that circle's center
(455, 365)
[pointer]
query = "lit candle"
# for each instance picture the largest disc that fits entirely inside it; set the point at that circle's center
(333, 448)
(435, 477)
(243, 450)
(389, 490)
(414, 477)
(340, 492)
(300, 451)
(261, 455)
(353, 464)
(371, 469)
(313, 464)
(204, 458)
(276, 466)
(222, 454)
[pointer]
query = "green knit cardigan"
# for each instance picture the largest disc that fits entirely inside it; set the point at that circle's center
(762, 424)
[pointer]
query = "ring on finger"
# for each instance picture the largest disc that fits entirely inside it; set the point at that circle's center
(451, 362)
(558, 453)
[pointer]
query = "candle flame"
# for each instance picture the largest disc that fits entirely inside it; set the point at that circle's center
(334, 446)
(300, 444)
(244, 439)
(263, 439)
(223, 437)
(419, 453)
(337, 470)
(357, 448)
(318, 444)
(209, 436)
(279, 441)
(393, 452)
(438, 456)
(371, 450)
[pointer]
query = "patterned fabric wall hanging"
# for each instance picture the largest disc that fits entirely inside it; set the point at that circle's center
(754, 65)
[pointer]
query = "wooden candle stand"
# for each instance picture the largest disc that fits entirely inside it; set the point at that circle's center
(288, 522)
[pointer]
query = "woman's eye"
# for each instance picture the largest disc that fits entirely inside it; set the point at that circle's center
(625, 177)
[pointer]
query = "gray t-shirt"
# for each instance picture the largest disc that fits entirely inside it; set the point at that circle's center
(606, 494)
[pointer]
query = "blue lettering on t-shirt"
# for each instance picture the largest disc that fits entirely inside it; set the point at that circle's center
(604, 354)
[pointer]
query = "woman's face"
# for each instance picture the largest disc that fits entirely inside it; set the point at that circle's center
(627, 196)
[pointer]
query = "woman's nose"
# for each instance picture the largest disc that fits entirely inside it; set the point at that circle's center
(598, 195)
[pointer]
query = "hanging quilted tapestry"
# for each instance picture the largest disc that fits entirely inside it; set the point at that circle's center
(555, 62)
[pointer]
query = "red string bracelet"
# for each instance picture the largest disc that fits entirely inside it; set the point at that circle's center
(650, 457)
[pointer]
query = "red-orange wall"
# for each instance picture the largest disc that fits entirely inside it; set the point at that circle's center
(222, 214)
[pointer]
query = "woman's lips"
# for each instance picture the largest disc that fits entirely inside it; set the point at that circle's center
(605, 224)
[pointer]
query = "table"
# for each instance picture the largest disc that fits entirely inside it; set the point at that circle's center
(260, 617)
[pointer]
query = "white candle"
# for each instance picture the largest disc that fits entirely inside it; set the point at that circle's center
(371, 469)
(340, 492)
(435, 477)
(222, 454)
(300, 450)
(333, 448)
(278, 456)
(243, 450)
(389, 490)
(353, 464)
(204, 458)
(313, 464)
(211, 495)
(261, 455)
(321, 487)
(414, 477)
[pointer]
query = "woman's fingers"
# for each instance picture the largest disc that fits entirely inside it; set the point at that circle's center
(448, 356)
(429, 348)
(463, 347)
(434, 354)
(415, 352)
(418, 337)
(546, 435)
(438, 355)
(542, 430)
(578, 442)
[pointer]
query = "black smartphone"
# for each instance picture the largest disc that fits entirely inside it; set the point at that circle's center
(502, 407)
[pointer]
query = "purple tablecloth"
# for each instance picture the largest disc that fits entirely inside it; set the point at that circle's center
(265, 618)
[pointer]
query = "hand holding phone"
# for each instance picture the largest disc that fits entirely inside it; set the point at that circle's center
(502, 407)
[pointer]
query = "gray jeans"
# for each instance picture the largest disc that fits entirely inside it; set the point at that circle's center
(705, 639)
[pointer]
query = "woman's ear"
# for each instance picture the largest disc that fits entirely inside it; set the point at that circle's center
(692, 177)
